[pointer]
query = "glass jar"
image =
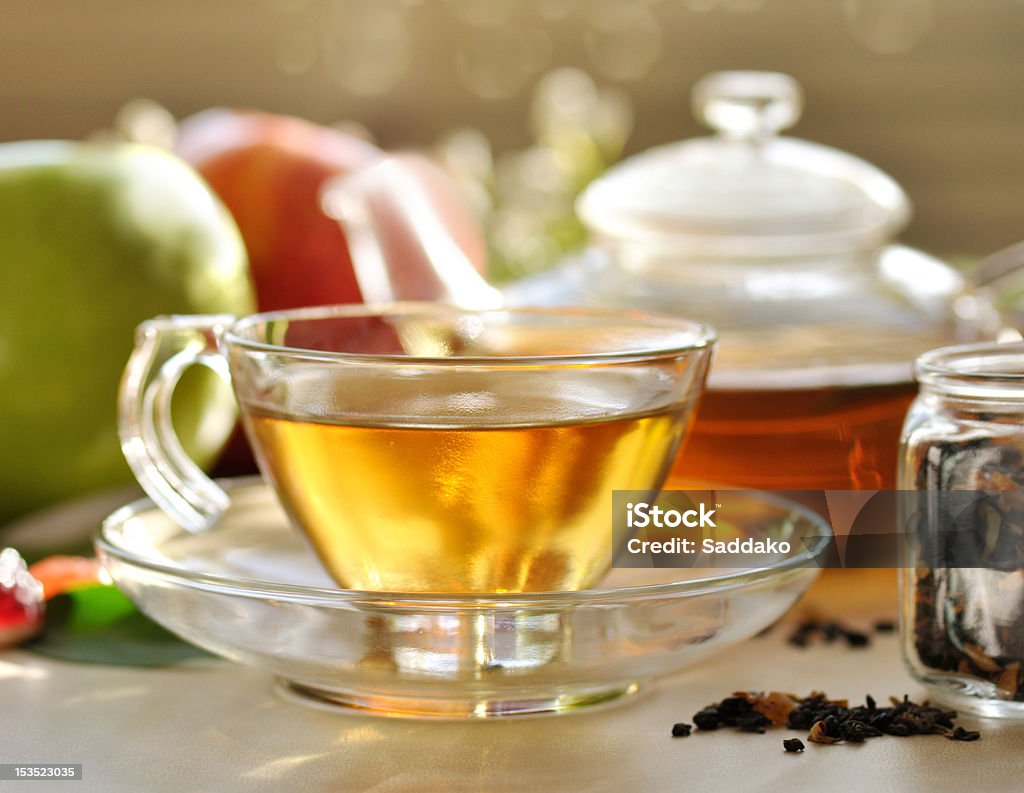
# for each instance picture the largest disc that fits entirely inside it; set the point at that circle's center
(962, 573)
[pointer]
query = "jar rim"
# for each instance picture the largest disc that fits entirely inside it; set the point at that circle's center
(985, 370)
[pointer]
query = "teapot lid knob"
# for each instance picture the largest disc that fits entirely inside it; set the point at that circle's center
(750, 106)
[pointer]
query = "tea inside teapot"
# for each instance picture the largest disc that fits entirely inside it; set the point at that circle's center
(786, 247)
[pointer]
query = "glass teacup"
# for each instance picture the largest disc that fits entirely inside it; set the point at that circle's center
(428, 448)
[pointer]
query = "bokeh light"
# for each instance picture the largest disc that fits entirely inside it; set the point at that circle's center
(889, 27)
(145, 121)
(556, 9)
(288, 6)
(295, 51)
(366, 45)
(623, 40)
(700, 6)
(496, 62)
(485, 13)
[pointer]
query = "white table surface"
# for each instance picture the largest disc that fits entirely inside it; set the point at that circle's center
(217, 726)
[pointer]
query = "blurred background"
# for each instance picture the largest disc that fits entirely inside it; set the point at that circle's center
(524, 102)
(932, 91)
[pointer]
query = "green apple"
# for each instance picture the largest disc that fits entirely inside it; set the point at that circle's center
(95, 238)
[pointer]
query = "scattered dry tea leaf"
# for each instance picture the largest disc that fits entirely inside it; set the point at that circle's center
(830, 721)
(819, 734)
(775, 706)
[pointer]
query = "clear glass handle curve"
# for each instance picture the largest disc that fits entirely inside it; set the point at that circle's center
(164, 348)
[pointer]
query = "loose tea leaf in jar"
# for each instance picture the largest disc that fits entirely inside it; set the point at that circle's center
(967, 550)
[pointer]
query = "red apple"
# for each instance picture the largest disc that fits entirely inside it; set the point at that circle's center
(276, 175)
(269, 170)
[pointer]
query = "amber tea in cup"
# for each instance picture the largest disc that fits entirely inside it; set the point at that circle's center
(425, 448)
(482, 508)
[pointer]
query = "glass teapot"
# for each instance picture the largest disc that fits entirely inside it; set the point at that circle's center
(786, 247)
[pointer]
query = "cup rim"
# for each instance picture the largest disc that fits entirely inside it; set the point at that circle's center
(696, 335)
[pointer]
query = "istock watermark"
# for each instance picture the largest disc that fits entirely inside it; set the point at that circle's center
(647, 515)
(642, 514)
(819, 528)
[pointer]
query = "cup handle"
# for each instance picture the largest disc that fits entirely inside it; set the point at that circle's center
(164, 348)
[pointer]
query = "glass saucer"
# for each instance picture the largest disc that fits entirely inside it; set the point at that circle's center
(252, 590)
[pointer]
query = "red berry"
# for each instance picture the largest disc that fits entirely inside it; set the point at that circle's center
(21, 600)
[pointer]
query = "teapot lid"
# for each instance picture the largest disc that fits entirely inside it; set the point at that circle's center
(746, 191)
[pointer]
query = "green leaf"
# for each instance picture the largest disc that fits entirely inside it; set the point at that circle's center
(97, 624)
